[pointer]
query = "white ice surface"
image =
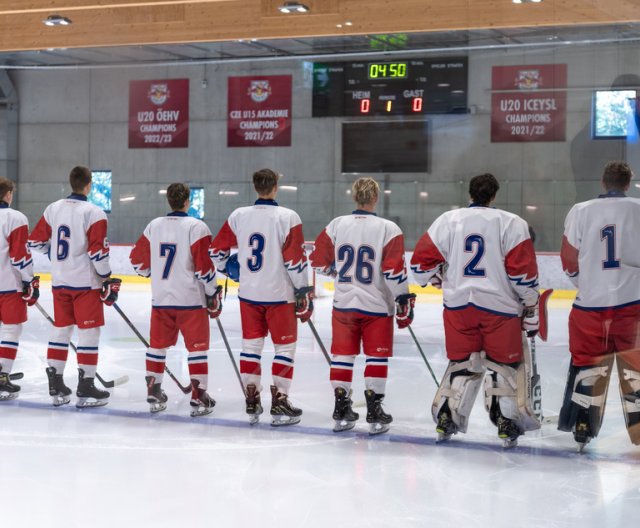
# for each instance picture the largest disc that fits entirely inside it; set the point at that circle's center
(120, 467)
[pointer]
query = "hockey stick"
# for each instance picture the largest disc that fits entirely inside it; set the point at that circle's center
(415, 340)
(16, 376)
(315, 334)
(108, 384)
(536, 385)
(228, 347)
(185, 390)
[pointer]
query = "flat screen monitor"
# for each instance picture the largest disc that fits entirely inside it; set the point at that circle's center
(385, 146)
(614, 114)
(100, 194)
(196, 209)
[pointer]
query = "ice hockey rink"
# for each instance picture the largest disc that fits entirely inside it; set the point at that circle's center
(120, 466)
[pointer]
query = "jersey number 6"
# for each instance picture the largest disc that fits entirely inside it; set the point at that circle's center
(64, 233)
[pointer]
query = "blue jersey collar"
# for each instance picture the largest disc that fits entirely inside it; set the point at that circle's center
(177, 213)
(361, 212)
(262, 201)
(76, 196)
(3, 204)
(613, 194)
(473, 204)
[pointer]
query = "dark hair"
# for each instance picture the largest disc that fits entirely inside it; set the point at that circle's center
(483, 188)
(79, 178)
(177, 195)
(6, 186)
(265, 180)
(617, 176)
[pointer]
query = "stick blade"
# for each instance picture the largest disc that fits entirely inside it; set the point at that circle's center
(542, 313)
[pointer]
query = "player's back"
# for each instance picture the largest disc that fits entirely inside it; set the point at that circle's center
(74, 223)
(475, 242)
(10, 222)
(359, 241)
(261, 231)
(605, 232)
(173, 271)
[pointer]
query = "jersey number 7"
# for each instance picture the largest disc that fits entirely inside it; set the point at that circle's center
(167, 251)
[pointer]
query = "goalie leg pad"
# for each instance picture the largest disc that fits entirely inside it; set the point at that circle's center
(585, 397)
(458, 389)
(507, 390)
(630, 396)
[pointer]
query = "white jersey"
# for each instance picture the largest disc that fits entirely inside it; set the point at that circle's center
(174, 252)
(16, 264)
(490, 257)
(366, 253)
(270, 252)
(74, 234)
(600, 251)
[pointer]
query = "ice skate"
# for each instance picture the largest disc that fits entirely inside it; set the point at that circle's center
(582, 435)
(282, 412)
(508, 431)
(8, 390)
(59, 392)
(201, 402)
(343, 414)
(156, 397)
(379, 420)
(446, 427)
(88, 394)
(254, 407)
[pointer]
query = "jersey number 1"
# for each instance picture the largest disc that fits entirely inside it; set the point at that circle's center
(609, 233)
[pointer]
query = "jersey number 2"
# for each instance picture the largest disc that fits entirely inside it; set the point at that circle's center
(472, 269)
(609, 233)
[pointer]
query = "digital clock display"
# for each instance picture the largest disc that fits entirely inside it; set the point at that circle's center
(411, 87)
(388, 70)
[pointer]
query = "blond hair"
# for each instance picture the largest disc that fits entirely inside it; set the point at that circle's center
(365, 191)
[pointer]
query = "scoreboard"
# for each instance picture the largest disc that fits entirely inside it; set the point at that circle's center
(403, 87)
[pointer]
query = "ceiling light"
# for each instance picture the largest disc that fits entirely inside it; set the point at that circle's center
(288, 187)
(387, 192)
(56, 20)
(162, 191)
(293, 7)
(531, 207)
(424, 194)
(526, 1)
(127, 198)
(228, 193)
(348, 23)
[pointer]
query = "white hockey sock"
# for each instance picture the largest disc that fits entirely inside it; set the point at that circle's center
(250, 357)
(199, 367)
(341, 373)
(282, 366)
(9, 340)
(375, 374)
(88, 340)
(155, 360)
(58, 347)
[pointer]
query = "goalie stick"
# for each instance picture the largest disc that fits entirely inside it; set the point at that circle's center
(185, 390)
(107, 384)
(536, 385)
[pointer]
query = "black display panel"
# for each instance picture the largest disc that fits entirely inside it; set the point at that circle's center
(403, 87)
(385, 146)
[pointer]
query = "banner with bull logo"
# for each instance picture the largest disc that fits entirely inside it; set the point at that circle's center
(159, 113)
(259, 111)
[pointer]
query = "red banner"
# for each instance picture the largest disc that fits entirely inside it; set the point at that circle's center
(259, 111)
(159, 114)
(530, 109)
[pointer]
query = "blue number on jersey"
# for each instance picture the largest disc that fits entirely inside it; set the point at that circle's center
(471, 269)
(167, 251)
(609, 232)
(64, 233)
(256, 243)
(364, 269)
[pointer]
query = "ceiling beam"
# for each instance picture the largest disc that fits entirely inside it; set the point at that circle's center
(63, 6)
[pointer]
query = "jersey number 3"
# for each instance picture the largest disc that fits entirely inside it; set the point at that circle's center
(256, 243)
(474, 243)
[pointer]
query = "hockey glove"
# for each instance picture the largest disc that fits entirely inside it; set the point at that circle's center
(110, 289)
(438, 277)
(31, 291)
(404, 309)
(530, 320)
(232, 268)
(304, 303)
(214, 303)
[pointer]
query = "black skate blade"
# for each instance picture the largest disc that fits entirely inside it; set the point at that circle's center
(254, 419)
(283, 421)
(16, 376)
(343, 425)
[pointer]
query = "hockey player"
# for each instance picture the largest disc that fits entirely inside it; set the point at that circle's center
(174, 252)
(365, 253)
(600, 255)
(483, 258)
(18, 286)
(73, 233)
(274, 290)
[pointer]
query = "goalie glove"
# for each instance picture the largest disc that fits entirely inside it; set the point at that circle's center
(530, 320)
(214, 303)
(110, 289)
(404, 309)
(304, 303)
(31, 291)
(232, 268)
